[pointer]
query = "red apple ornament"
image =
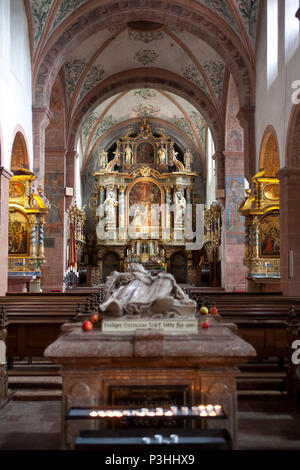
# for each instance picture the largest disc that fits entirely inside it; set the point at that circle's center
(204, 325)
(95, 318)
(87, 325)
(213, 310)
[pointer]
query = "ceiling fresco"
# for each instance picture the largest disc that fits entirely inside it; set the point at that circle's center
(246, 10)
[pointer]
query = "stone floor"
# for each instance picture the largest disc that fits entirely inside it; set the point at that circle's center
(265, 422)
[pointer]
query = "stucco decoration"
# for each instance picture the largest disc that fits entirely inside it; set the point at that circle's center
(249, 10)
(222, 9)
(73, 70)
(66, 8)
(146, 37)
(215, 71)
(40, 10)
(192, 73)
(145, 56)
(94, 76)
(146, 110)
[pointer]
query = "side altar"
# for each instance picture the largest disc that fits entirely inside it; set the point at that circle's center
(143, 202)
(158, 366)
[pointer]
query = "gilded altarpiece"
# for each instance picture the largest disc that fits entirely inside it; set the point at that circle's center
(142, 200)
(26, 227)
(261, 211)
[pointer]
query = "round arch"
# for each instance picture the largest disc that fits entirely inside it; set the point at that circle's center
(269, 152)
(193, 17)
(115, 131)
(19, 153)
(153, 78)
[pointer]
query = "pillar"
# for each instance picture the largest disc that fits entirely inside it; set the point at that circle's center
(55, 226)
(40, 119)
(234, 271)
(289, 230)
(246, 116)
(5, 176)
(122, 224)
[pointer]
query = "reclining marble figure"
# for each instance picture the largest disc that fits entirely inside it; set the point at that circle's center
(139, 294)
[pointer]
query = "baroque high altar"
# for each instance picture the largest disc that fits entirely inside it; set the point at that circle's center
(143, 201)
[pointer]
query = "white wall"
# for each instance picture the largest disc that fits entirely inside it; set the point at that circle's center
(274, 100)
(211, 177)
(15, 78)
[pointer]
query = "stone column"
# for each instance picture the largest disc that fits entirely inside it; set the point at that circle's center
(71, 155)
(5, 176)
(41, 116)
(122, 222)
(220, 175)
(246, 116)
(55, 226)
(289, 230)
(233, 255)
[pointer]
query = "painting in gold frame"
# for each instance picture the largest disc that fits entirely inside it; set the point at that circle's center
(269, 236)
(18, 234)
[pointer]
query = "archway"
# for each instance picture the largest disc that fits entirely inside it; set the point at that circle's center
(269, 154)
(19, 155)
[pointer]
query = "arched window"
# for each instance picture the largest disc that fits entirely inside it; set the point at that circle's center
(272, 41)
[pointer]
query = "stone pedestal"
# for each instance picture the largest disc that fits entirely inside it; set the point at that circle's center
(95, 363)
(289, 230)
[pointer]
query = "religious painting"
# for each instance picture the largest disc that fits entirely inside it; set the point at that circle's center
(18, 234)
(144, 205)
(269, 236)
(235, 191)
(16, 189)
(54, 189)
(145, 153)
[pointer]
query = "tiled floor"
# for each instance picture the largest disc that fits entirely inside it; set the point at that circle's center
(268, 422)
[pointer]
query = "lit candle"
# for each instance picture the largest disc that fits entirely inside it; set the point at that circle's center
(93, 414)
(109, 414)
(212, 413)
(218, 408)
(102, 414)
(195, 410)
(184, 410)
(174, 409)
(203, 413)
(169, 413)
(151, 413)
(117, 414)
(209, 408)
(201, 407)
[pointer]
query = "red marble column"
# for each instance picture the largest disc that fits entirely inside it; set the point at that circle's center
(5, 176)
(289, 230)
(55, 226)
(40, 119)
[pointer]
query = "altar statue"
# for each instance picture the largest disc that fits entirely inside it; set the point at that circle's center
(138, 293)
(162, 155)
(180, 205)
(128, 154)
(110, 204)
(102, 160)
(188, 160)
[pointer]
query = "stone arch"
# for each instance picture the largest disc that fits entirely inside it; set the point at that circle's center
(114, 132)
(292, 158)
(195, 18)
(19, 153)
(269, 152)
(154, 78)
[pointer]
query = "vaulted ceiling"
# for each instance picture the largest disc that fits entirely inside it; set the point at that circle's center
(183, 72)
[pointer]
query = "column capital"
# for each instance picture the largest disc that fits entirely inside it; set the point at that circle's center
(218, 155)
(6, 173)
(298, 14)
(245, 113)
(42, 113)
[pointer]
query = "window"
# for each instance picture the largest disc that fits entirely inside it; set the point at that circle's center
(272, 41)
